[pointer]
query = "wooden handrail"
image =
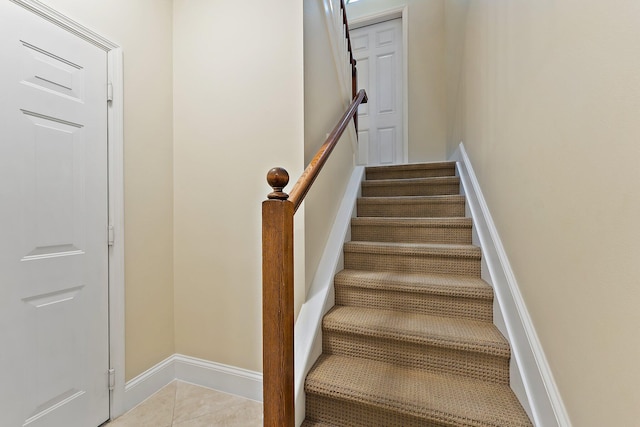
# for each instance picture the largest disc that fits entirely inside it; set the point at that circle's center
(277, 264)
(277, 277)
(300, 189)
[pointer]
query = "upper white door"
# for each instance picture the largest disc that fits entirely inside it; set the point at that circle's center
(54, 349)
(378, 51)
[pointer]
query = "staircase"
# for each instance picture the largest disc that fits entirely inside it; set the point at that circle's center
(411, 341)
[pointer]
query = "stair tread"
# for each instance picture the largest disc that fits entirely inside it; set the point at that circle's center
(412, 206)
(398, 200)
(440, 284)
(434, 397)
(413, 166)
(437, 249)
(411, 181)
(445, 222)
(448, 332)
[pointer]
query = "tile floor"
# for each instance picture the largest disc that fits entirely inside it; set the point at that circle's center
(181, 404)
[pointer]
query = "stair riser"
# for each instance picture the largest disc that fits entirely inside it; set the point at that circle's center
(343, 413)
(400, 234)
(475, 364)
(412, 263)
(411, 190)
(424, 209)
(408, 174)
(436, 305)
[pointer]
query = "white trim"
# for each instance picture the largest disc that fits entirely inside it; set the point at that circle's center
(541, 392)
(228, 379)
(66, 23)
(402, 13)
(115, 129)
(377, 18)
(116, 219)
(147, 383)
(225, 378)
(320, 298)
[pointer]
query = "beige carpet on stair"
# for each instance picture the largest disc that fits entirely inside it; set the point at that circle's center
(411, 340)
(405, 397)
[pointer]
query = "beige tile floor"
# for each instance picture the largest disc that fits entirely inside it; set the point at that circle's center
(181, 404)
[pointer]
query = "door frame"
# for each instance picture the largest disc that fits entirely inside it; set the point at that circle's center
(115, 158)
(387, 15)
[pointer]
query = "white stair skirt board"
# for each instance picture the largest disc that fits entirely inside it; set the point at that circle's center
(224, 378)
(320, 298)
(531, 376)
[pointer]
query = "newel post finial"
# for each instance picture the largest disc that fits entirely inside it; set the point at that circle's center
(278, 178)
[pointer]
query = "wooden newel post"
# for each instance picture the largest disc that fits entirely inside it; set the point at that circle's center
(277, 303)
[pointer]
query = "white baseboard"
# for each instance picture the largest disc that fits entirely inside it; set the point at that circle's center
(229, 379)
(225, 378)
(147, 383)
(536, 388)
(320, 297)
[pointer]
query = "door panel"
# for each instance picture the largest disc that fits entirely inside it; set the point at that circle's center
(385, 84)
(378, 50)
(386, 145)
(53, 223)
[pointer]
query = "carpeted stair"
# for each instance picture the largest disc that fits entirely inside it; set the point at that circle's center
(411, 341)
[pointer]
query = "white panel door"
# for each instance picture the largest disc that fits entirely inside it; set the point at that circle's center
(53, 225)
(378, 50)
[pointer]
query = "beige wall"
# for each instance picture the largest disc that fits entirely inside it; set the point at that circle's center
(426, 38)
(550, 121)
(455, 19)
(238, 111)
(143, 29)
(324, 104)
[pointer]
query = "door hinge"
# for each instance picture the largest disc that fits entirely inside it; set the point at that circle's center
(109, 92)
(112, 379)
(111, 236)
